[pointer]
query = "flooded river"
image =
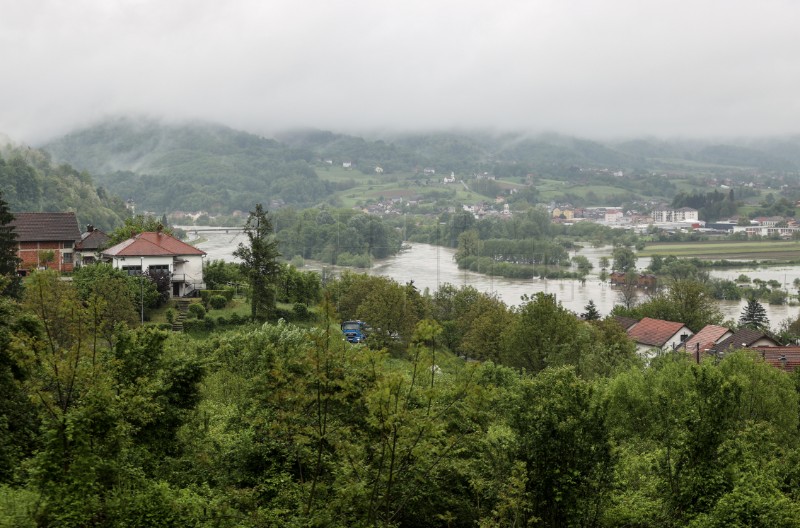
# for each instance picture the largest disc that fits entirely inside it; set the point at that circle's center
(430, 266)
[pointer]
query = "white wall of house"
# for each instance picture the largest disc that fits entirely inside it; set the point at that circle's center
(649, 351)
(188, 275)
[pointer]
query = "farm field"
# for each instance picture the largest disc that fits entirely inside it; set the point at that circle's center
(781, 250)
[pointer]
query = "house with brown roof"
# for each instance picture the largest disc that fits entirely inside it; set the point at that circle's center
(656, 334)
(87, 249)
(744, 338)
(158, 251)
(39, 234)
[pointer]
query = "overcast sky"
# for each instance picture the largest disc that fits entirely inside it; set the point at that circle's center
(599, 68)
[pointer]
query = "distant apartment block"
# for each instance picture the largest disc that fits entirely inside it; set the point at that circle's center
(666, 216)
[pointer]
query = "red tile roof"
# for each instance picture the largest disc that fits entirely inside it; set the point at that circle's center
(707, 337)
(46, 227)
(152, 244)
(655, 332)
(782, 357)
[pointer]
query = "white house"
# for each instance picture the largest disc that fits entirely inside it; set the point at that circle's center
(656, 334)
(160, 251)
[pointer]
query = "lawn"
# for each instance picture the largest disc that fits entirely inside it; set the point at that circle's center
(732, 250)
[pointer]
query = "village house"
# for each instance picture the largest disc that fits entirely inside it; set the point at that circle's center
(706, 339)
(743, 338)
(655, 334)
(158, 251)
(87, 249)
(786, 358)
(45, 240)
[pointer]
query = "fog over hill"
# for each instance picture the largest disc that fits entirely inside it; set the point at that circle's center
(196, 165)
(602, 70)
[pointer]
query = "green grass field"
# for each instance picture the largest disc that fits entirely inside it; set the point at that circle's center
(731, 250)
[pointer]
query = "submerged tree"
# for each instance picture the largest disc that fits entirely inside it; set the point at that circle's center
(591, 313)
(754, 316)
(260, 263)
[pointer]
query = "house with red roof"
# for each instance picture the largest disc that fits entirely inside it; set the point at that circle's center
(786, 358)
(158, 251)
(656, 334)
(706, 339)
(39, 234)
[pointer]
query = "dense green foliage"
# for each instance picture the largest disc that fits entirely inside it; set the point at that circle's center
(30, 181)
(558, 423)
(335, 236)
(8, 253)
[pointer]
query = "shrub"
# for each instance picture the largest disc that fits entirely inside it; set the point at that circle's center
(300, 311)
(236, 319)
(217, 302)
(221, 321)
(209, 323)
(170, 315)
(197, 310)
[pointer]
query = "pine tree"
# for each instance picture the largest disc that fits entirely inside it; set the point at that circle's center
(260, 263)
(591, 312)
(10, 283)
(754, 316)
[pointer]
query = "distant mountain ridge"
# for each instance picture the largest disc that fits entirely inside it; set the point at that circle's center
(206, 166)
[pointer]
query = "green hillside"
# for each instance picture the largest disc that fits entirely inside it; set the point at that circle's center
(201, 166)
(30, 181)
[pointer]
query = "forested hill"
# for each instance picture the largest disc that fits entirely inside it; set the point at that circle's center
(190, 166)
(202, 166)
(30, 181)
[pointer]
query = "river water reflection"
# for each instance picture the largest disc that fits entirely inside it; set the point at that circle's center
(430, 266)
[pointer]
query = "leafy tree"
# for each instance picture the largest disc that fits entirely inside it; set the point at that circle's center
(219, 274)
(134, 225)
(686, 301)
(8, 252)
(754, 316)
(543, 334)
(624, 259)
(566, 449)
(259, 263)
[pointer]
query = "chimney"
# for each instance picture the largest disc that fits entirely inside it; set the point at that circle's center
(89, 228)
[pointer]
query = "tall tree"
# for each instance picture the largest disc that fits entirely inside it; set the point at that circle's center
(8, 252)
(260, 263)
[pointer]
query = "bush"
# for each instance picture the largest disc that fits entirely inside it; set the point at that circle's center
(300, 311)
(217, 302)
(197, 310)
(221, 321)
(209, 323)
(170, 315)
(236, 319)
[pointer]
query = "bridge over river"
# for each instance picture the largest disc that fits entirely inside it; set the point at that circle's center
(197, 230)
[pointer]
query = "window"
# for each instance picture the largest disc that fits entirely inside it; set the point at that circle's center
(132, 270)
(67, 257)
